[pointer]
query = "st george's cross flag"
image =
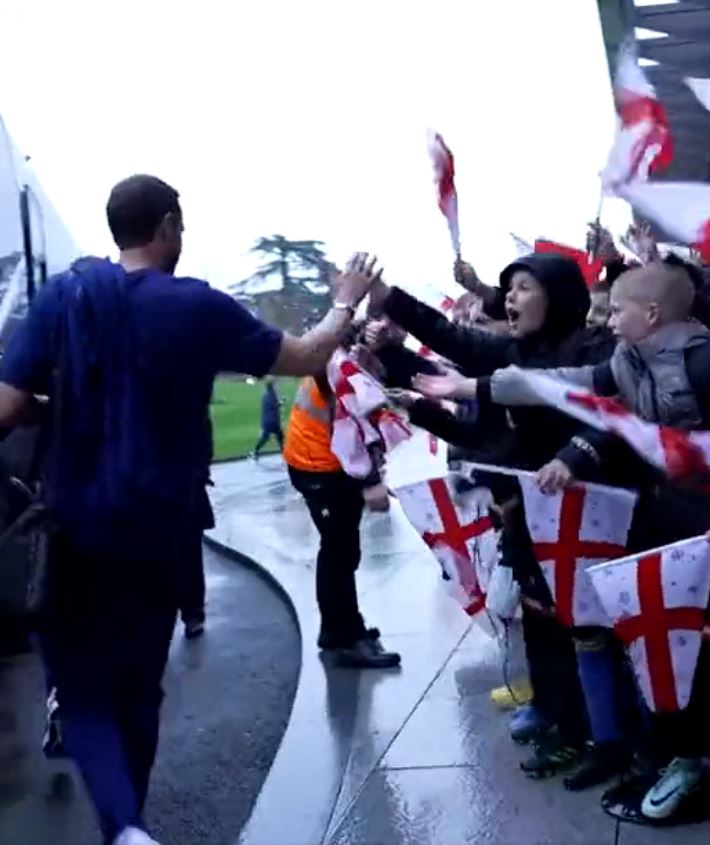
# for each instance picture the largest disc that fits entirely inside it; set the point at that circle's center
(458, 530)
(643, 143)
(682, 455)
(656, 601)
(443, 161)
(572, 531)
(682, 209)
(590, 266)
(362, 416)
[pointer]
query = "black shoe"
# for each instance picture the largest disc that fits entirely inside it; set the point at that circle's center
(367, 653)
(327, 642)
(194, 627)
(599, 764)
(552, 756)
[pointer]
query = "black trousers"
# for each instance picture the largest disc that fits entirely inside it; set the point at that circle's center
(192, 581)
(552, 661)
(335, 503)
(266, 433)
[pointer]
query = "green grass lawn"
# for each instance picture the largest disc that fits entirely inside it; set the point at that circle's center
(236, 415)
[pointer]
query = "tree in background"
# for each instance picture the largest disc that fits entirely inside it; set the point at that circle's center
(304, 273)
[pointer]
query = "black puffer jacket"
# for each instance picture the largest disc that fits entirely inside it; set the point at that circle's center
(563, 340)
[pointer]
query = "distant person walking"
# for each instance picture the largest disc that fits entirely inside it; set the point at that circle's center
(270, 418)
(128, 355)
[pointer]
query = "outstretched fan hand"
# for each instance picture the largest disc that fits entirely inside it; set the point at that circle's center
(448, 385)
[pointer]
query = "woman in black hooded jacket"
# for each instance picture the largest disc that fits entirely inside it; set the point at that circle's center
(547, 301)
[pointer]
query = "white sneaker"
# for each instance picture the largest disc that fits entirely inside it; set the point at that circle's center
(676, 782)
(133, 836)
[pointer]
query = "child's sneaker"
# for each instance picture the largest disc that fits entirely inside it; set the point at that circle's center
(676, 783)
(508, 697)
(599, 763)
(527, 725)
(552, 756)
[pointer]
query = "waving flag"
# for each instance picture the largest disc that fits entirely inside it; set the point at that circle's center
(443, 161)
(590, 267)
(682, 455)
(445, 304)
(361, 416)
(458, 530)
(643, 141)
(572, 531)
(680, 208)
(656, 601)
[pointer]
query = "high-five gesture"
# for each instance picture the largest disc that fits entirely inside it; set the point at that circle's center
(353, 284)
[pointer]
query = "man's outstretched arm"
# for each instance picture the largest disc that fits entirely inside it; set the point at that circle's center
(309, 354)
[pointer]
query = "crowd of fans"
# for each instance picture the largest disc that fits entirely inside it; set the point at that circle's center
(640, 334)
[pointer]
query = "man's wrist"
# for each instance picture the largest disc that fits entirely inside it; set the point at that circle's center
(344, 307)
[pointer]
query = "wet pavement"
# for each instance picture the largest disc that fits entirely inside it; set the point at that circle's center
(228, 702)
(417, 756)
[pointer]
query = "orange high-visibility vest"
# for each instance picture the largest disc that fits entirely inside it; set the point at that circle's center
(307, 443)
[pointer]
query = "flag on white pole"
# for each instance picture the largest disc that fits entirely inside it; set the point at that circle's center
(643, 141)
(682, 455)
(443, 161)
(656, 601)
(571, 531)
(458, 530)
(361, 416)
(680, 208)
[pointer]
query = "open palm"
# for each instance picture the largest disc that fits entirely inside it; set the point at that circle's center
(448, 385)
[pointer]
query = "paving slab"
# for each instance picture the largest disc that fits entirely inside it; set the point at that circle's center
(418, 755)
(227, 705)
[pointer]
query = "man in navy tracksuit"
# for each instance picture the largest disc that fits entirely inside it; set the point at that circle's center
(128, 354)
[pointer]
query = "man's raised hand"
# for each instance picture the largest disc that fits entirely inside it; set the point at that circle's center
(353, 284)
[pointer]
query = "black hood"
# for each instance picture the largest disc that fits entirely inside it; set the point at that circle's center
(566, 289)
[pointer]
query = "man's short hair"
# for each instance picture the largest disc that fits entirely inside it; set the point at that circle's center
(137, 206)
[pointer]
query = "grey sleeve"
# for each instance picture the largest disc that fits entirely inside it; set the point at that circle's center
(509, 387)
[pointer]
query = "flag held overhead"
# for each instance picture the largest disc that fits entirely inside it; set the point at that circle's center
(443, 161)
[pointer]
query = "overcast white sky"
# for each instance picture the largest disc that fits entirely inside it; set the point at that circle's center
(308, 118)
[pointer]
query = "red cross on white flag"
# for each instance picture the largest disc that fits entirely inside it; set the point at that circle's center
(443, 161)
(571, 531)
(680, 454)
(457, 529)
(643, 141)
(361, 416)
(657, 602)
